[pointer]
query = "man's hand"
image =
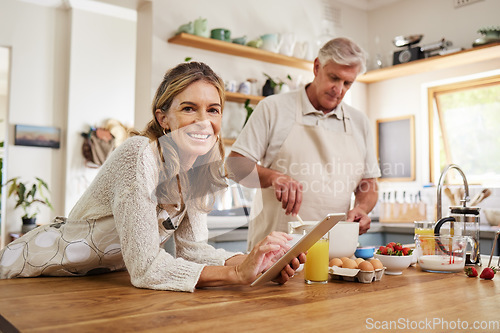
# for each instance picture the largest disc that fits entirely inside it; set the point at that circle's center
(288, 191)
(366, 197)
(248, 173)
(359, 215)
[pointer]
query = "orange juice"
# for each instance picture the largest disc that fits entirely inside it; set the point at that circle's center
(316, 266)
(427, 243)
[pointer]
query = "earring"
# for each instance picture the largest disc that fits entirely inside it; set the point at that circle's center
(164, 131)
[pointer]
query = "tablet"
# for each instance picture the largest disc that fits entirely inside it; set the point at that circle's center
(301, 246)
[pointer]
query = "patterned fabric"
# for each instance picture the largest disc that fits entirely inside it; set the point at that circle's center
(61, 249)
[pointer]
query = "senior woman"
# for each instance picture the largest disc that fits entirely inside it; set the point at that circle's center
(156, 185)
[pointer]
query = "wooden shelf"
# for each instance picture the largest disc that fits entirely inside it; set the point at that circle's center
(476, 54)
(239, 50)
(241, 98)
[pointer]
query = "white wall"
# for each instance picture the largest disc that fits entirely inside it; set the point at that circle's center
(101, 86)
(34, 95)
(70, 69)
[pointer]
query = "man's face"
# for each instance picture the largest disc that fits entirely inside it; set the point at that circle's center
(331, 82)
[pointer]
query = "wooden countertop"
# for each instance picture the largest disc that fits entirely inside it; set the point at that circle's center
(109, 302)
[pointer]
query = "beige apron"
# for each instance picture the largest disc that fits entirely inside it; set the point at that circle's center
(328, 164)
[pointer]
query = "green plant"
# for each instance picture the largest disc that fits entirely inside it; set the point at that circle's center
(29, 194)
(274, 83)
(249, 110)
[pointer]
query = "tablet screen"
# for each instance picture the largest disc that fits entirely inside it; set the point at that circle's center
(301, 246)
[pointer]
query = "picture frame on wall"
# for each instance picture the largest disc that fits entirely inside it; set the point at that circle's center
(396, 148)
(37, 136)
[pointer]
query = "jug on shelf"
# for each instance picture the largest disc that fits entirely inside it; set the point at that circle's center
(288, 44)
(464, 221)
(271, 42)
(200, 27)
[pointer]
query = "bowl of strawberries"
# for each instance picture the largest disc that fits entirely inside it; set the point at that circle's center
(395, 257)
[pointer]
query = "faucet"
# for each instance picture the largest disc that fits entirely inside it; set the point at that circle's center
(440, 185)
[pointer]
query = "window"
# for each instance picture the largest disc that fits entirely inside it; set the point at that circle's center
(464, 120)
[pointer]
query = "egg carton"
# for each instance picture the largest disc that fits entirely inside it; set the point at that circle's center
(354, 274)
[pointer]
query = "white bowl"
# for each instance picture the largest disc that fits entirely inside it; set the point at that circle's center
(492, 216)
(394, 265)
(344, 239)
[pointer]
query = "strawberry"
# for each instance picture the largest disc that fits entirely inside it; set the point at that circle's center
(391, 244)
(470, 271)
(488, 273)
(394, 249)
(382, 250)
(407, 251)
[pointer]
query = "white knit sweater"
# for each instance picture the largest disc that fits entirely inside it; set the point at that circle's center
(123, 189)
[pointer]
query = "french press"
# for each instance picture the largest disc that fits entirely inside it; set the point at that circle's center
(464, 221)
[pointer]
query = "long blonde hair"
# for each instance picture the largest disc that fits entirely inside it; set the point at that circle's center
(207, 176)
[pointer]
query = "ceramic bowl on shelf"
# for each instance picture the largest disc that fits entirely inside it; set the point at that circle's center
(240, 40)
(394, 265)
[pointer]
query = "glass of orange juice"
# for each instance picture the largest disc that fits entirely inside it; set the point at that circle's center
(426, 228)
(316, 266)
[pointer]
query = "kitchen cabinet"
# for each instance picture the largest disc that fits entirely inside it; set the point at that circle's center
(469, 56)
(228, 232)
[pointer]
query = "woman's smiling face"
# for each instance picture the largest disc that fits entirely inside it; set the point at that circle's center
(194, 119)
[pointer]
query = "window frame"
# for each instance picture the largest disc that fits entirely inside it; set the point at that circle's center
(433, 108)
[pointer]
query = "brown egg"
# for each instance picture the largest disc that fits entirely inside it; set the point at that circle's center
(349, 263)
(359, 260)
(377, 264)
(335, 262)
(366, 266)
(344, 259)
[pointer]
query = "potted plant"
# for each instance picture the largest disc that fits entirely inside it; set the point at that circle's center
(272, 86)
(29, 197)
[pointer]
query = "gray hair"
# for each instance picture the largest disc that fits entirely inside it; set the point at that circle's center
(343, 51)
